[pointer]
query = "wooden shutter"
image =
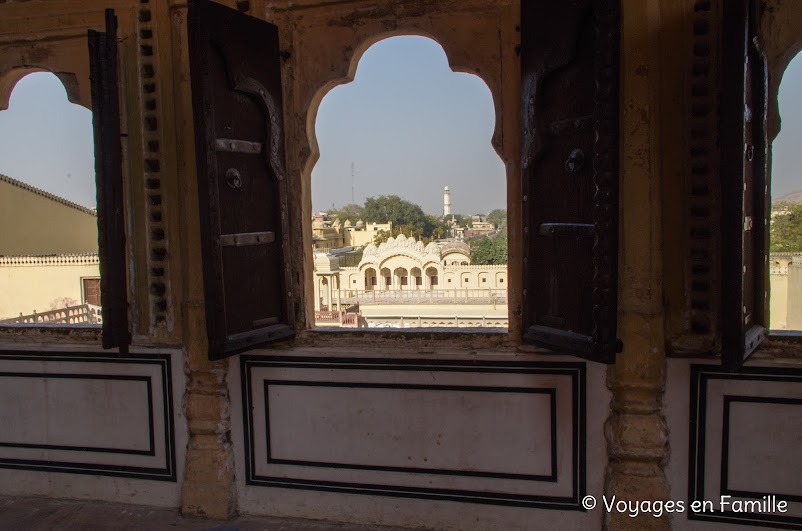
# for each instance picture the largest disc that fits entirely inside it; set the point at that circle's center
(109, 180)
(744, 189)
(569, 62)
(239, 143)
(91, 291)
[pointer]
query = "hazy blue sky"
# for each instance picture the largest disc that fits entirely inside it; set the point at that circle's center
(408, 123)
(411, 126)
(46, 141)
(786, 170)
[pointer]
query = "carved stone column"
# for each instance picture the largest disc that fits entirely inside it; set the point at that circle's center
(636, 429)
(209, 483)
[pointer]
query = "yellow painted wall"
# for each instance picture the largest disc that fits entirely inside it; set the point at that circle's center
(37, 223)
(794, 319)
(31, 283)
(778, 313)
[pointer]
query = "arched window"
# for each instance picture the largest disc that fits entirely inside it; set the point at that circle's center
(48, 206)
(785, 234)
(407, 143)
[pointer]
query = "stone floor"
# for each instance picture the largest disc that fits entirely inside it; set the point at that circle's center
(40, 514)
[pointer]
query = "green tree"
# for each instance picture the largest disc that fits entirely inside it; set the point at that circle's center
(410, 231)
(381, 237)
(498, 217)
(459, 219)
(400, 212)
(786, 230)
(350, 211)
(489, 251)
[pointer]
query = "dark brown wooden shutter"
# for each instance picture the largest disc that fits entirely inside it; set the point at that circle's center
(239, 142)
(109, 179)
(91, 290)
(569, 62)
(744, 188)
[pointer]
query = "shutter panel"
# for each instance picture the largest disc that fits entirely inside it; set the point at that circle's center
(744, 188)
(569, 61)
(239, 143)
(109, 180)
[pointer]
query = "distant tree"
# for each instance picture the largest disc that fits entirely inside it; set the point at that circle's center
(498, 217)
(350, 211)
(460, 219)
(381, 237)
(410, 231)
(439, 231)
(400, 212)
(489, 251)
(786, 230)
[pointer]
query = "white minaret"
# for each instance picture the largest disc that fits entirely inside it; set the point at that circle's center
(446, 202)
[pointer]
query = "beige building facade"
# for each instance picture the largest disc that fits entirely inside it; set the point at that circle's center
(786, 291)
(328, 235)
(438, 273)
(37, 284)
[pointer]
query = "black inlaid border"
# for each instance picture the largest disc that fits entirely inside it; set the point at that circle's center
(109, 377)
(163, 361)
(725, 446)
(576, 371)
(701, 375)
(550, 392)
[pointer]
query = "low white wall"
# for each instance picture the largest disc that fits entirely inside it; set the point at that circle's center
(85, 424)
(735, 435)
(436, 442)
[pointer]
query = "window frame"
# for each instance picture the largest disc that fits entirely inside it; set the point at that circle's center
(103, 82)
(745, 185)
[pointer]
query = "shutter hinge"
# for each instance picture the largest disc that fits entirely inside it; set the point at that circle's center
(245, 239)
(237, 146)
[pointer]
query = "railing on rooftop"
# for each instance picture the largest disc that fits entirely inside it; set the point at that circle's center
(345, 319)
(420, 296)
(82, 314)
(436, 321)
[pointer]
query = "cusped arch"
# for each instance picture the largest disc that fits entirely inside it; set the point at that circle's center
(369, 262)
(433, 263)
(781, 29)
(350, 75)
(76, 93)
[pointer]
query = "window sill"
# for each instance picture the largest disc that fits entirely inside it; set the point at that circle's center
(790, 336)
(445, 333)
(428, 339)
(44, 333)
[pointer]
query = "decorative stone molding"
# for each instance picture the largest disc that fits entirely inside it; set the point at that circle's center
(701, 185)
(51, 260)
(158, 260)
(401, 245)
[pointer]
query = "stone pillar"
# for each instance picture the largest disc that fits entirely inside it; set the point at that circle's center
(209, 481)
(636, 431)
(318, 293)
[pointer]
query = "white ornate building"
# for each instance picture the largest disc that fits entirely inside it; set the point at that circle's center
(406, 266)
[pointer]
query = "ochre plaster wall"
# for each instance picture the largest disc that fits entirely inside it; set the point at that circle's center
(34, 224)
